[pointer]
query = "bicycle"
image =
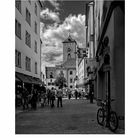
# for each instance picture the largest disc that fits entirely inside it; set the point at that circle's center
(107, 117)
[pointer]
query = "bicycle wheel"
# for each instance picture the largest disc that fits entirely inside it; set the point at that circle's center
(113, 121)
(100, 116)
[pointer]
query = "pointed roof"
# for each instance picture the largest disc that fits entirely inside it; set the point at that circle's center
(69, 40)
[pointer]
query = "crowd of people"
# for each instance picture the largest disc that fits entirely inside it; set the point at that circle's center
(49, 97)
(31, 100)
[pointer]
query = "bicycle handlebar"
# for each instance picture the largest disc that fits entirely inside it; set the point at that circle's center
(106, 100)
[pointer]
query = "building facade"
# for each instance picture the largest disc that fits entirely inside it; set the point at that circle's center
(27, 41)
(91, 78)
(69, 62)
(50, 76)
(67, 68)
(81, 77)
(110, 48)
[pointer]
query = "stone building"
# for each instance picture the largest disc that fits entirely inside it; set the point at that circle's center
(50, 76)
(27, 42)
(110, 49)
(69, 62)
(67, 68)
(91, 77)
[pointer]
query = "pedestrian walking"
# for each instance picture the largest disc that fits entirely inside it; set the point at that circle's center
(45, 98)
(42, 101)
(52, 97)
(76, 94)
(69, 94)
(34, 99)
(48, 96)
(59, 97)
(25, 98)
(79, 94)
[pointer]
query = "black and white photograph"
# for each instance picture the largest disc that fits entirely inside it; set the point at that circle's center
(69, 67)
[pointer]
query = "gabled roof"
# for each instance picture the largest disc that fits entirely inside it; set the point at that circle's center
(69, 40)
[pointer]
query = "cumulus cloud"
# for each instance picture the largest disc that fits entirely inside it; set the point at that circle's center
(50, 15)
(53, 36)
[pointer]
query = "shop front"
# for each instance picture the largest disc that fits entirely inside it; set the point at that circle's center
(21, 81)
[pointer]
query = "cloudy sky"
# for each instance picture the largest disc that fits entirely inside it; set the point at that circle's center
(58, 18)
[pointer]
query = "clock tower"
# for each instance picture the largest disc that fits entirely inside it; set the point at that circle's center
(69, 49)
(68, 67)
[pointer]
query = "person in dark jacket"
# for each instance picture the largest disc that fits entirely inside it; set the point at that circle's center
(52, 97)
(48, 96)
(34, 99)
(76, 94)
(59, 97)
(25, 98)
(69, 94)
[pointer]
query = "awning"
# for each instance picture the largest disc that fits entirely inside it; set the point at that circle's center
(23, 77)
(33, 81)
(37, 81)
(28, 79)
(17, 79)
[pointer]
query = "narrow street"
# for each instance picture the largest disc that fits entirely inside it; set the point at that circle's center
(76, 117)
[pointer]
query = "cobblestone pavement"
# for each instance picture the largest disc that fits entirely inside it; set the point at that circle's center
(76, 117)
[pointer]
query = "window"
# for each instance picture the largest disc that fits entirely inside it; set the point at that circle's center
(18, 59)
(51, 75)
(49, 83)
(35, 9)
(28, 16)
(69, 55)
(28, 39)
(18, 5)
(35, 47)
(28, 63)
(35, 27)
(70, 72)
(35, 67)
(70, 80)
(18, 29)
